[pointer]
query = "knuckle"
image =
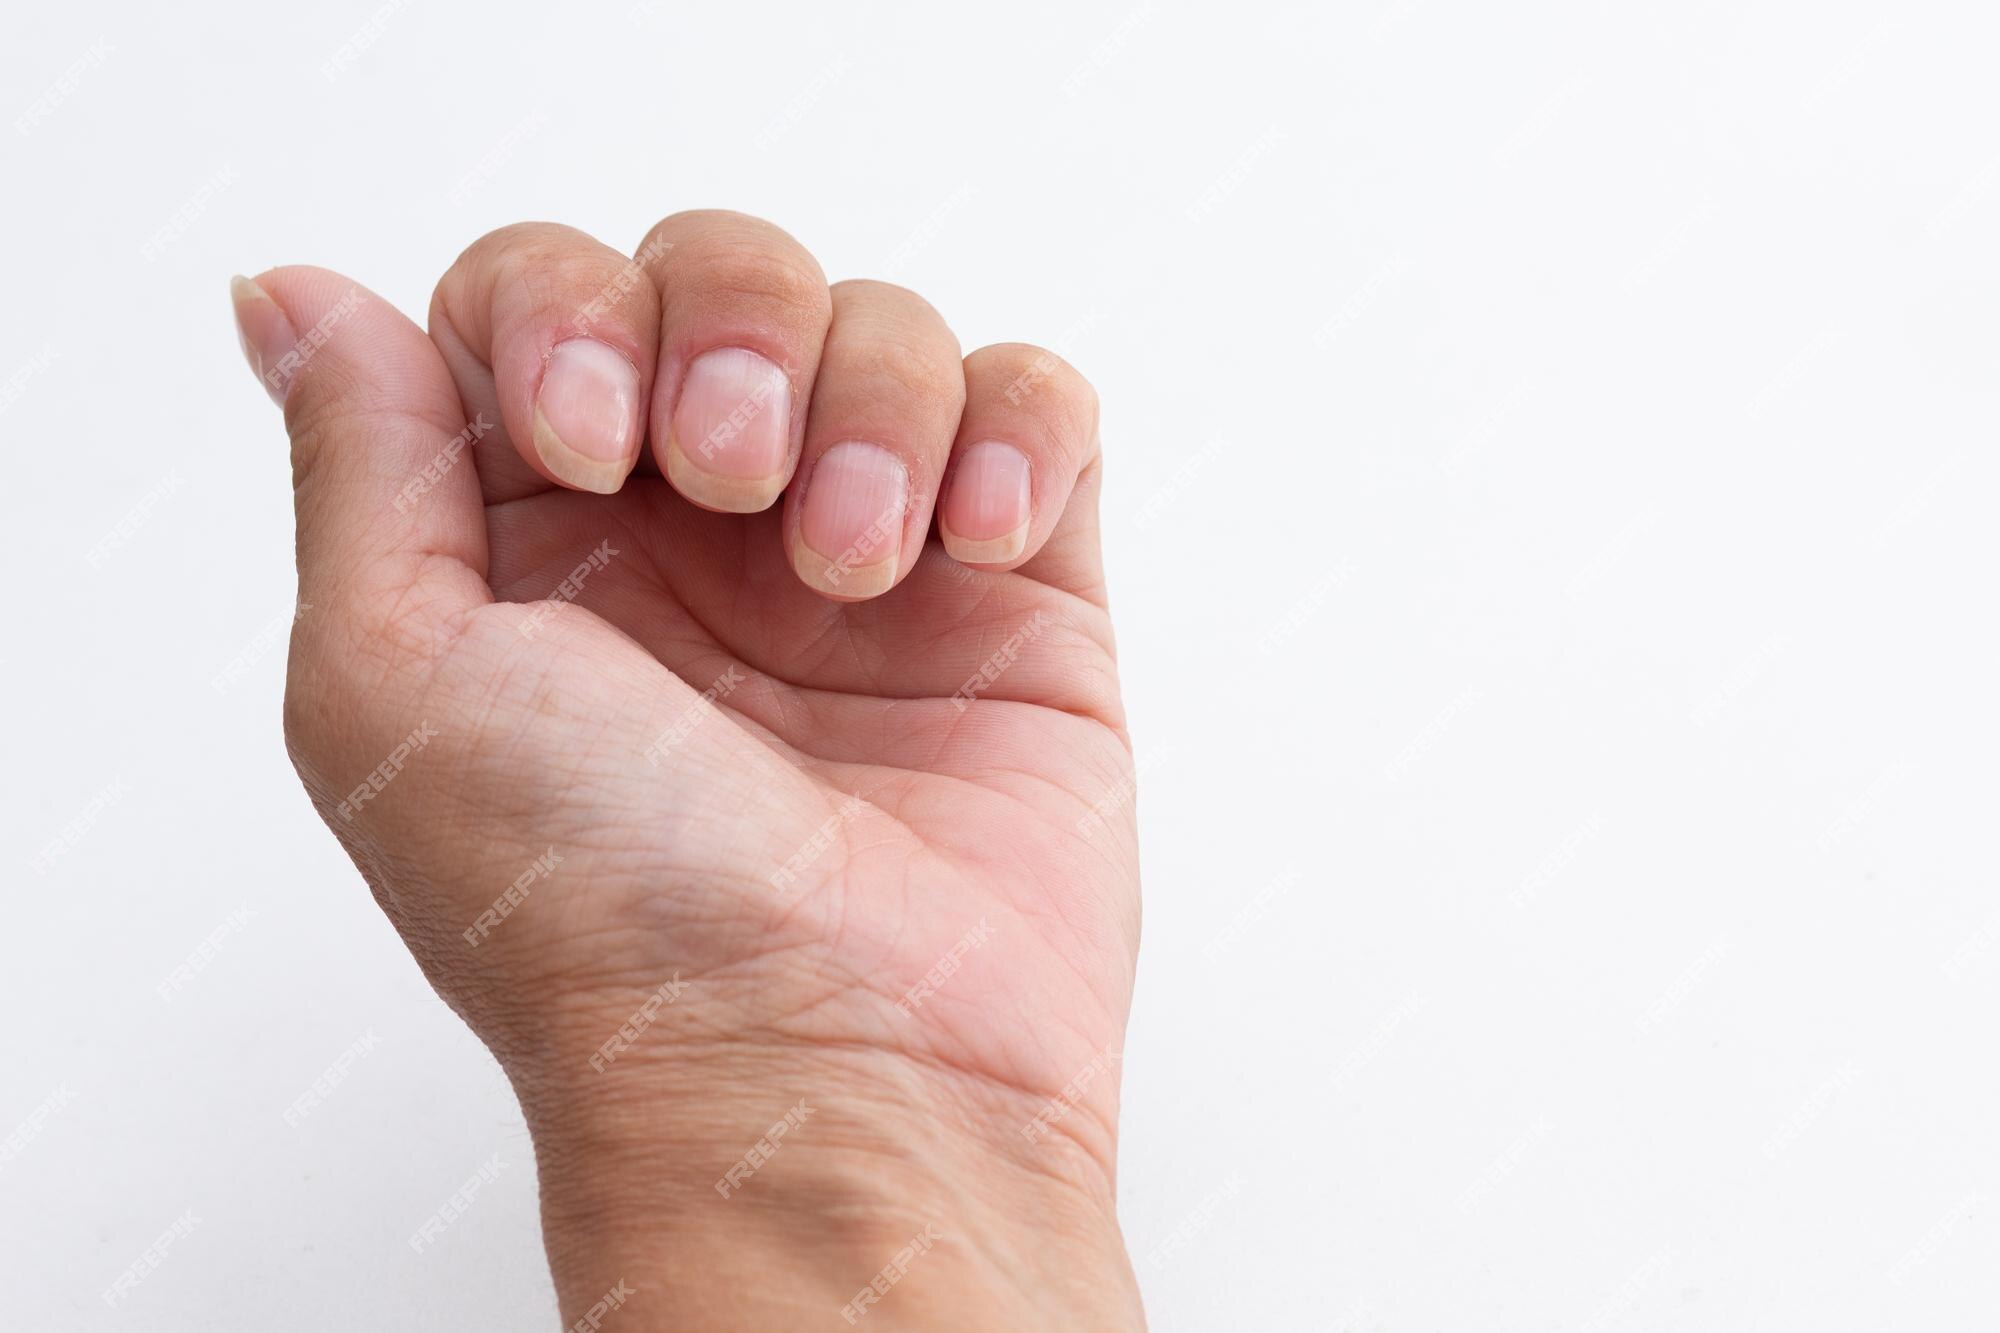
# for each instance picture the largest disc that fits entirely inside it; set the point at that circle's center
(718, 250)
(1010, 361)
(915, 370)
(876, 292)
(1040, 382)
(487, 260)
(516, 270)
(887, 305)
(514, 235)
(525, 241)
(752, 271)
(690, 223)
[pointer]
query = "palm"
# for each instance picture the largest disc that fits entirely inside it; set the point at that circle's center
(729, 848)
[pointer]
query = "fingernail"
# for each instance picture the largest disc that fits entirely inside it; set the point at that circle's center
(731, 431)
(985, 519)
(267, 336)
(587, 415)
(851, 524)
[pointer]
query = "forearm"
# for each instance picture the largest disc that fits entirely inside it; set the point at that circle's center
(752, 1189)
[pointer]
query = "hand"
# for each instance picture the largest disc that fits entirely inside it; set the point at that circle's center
(782, 855)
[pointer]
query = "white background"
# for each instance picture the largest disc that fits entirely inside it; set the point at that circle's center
(1551, 507)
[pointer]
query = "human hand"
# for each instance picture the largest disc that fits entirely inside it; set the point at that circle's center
(710, 792)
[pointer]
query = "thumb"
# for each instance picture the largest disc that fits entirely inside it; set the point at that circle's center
(390, 522)
(391, 532)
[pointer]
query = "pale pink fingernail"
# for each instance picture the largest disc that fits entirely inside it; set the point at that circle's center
(731, 431)
(587, 415)
(851, 524)
(267, 337)
(985, 519)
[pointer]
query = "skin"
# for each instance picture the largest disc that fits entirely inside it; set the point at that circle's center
(821, 898)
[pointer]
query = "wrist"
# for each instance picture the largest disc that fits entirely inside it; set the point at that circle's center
(722, 1185)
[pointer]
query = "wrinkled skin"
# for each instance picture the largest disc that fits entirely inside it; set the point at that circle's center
(1011, 811)
(696, 771)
